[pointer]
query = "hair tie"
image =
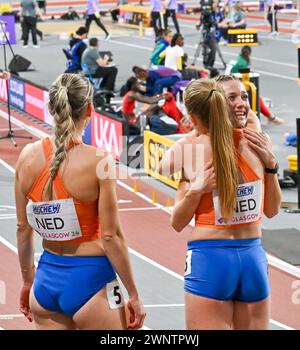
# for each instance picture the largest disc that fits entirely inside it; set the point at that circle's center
(210, 94)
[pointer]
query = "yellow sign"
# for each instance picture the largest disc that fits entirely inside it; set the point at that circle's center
(242, 37)
(155, 146)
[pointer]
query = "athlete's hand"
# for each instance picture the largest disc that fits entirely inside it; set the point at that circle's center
(137, 313)
(261, 144)
(207, 183)
(24, 301)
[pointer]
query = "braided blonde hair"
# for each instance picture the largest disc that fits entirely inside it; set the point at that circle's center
(69, 97)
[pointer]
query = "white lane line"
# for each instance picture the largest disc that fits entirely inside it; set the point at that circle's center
(283, 266)
(145, 328)
(139, 209)
(163, 305)
(279, 324)
(34, 131)
(273, 261)
(8, 217)
(155, 264)
(8, 244)
(9, 317)
(7, 166)
(6, 206)
(2, 329)
(124, 201)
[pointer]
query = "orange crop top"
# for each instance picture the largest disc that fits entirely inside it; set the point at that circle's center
(87, 211)
(249, 206)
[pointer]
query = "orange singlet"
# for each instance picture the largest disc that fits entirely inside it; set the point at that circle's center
(87, 211)
(249, 198)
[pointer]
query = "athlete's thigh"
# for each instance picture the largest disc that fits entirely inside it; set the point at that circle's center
(254, 316)
(205, 313)
(98, 314)
(49, 320)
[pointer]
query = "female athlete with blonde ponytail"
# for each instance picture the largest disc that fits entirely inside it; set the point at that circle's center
(226, 275)
(62, 194)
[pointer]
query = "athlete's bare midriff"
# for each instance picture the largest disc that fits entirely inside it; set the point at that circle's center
(242, 232)
(93, 248)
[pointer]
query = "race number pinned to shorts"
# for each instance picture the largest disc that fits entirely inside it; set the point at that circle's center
(54, 220)
(114, 295)
(188, 263)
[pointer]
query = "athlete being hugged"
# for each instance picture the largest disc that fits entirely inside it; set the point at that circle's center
(226, 276)
(73, 207)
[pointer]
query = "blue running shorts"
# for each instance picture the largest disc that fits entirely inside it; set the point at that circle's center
(227, 270)
(65, 283)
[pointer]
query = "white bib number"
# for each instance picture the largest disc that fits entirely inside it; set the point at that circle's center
(248, 205)
(114, 295)
(54, 220)
(188, 263)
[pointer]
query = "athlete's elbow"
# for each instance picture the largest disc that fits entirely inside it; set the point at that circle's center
(271, 212)
(177, 226)
(24, 230)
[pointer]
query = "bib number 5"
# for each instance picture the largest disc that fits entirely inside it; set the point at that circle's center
(114, 295)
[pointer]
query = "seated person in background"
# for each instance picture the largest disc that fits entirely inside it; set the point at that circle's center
(100, 67)
(235, 20)
(70, 15)
(158, 55)
(243, 60)
(157, 78)
(177, 60)
(77, 47)
(115, 11)
(132, 96)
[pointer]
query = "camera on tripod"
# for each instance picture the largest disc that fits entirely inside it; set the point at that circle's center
(206, 18)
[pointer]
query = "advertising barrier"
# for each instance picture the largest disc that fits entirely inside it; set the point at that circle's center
(104, 130)
(107, 133)
(17, 93)
(155, 146)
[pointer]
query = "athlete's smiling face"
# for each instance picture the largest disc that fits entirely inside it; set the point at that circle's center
(238, 102)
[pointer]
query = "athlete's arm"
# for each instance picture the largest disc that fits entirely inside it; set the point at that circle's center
(188, 197)
(113, 240)
(185, 206)
(24, 240)
(260, 143)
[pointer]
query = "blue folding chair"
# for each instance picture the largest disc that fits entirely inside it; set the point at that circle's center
(87, 72)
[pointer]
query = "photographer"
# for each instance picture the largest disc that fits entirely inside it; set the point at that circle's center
(210, 17)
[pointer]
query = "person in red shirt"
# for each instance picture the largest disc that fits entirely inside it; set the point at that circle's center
(134, 94)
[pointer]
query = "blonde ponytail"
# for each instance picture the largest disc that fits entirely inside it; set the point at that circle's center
(69, 97)
(205, 100)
